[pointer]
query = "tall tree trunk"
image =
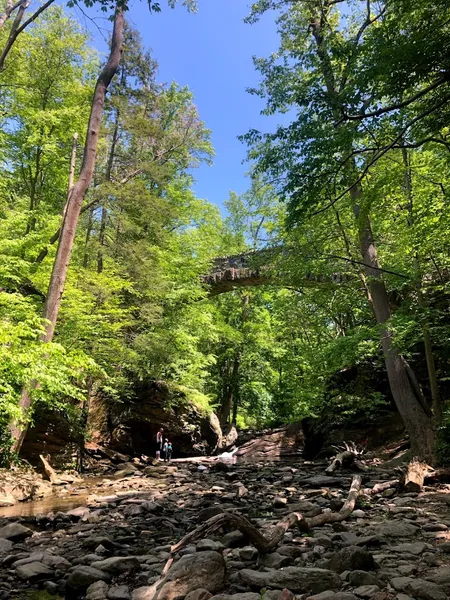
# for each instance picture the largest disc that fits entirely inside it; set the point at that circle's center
(88, 237)
(230, 391)
(417, 423)
(109, 166)
(70, 220)
(424, 325)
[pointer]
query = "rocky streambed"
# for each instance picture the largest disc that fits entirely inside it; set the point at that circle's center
(117, 546)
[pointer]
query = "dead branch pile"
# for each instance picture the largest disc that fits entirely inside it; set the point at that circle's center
(264, 543)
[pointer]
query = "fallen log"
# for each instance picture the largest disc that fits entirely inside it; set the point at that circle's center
(346, 510)
(378, 488)
(343, 459)
(264, 543)
(414, 477)
(50, 472)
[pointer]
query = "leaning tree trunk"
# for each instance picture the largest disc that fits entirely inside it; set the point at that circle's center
(72, 213)
(417, 423)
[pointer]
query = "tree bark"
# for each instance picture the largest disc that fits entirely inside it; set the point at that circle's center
(68, 230)
(109, 166)
(70, 220)
(9, 9)
(16, 30)
(426, 334)
(417, 423)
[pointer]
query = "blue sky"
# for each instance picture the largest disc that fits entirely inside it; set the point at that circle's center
(211, 52)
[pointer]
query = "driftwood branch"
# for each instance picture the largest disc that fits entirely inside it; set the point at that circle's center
(265, 543)
(343, 459)
(49, 471)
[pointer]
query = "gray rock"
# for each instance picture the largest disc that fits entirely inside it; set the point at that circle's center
(296, 579)
(120, 592)
(233, 539)
(329, 595)
(243, 596)
(209, 545)
(308, 509)
(248, 553)
(415, 548)
(435, 527)
(200, 594)
(279, 502)
(117, 564)
(359, 578)
(97, 591)
(441, 577)
(274, 560)
(293, 551)
(322, 481)
(34, 571)
(78, 513)
(419, 588)
(5, 546)
(351, 558)
(445, 547)
(396, 529)
(366, 591)
(209, 512)
(81, 578)
(15, 532)
(193, 571)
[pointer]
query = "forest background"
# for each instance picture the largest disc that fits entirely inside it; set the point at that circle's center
(350, 193)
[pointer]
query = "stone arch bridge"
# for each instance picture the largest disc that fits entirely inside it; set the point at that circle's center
(251, 269)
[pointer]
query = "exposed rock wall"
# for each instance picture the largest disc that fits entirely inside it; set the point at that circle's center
(128, 427)
(131, 427)
(285, 441)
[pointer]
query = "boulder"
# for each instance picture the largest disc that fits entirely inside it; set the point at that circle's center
(15, 532)
(442, 578)
(418, 588)
(97, 591)
(361, 578)
(34, 571)
(117, 564)
(297, 579)
(120, 592)
(351, 558)
(81, 578)
(193, 571)
(415, 548)
(395, 529)
(200, 594)
(285, 441)
(367, 591)
(242, 596)
(5, 546)
(274, 560)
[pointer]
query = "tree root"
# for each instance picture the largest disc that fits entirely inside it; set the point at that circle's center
(264, 543)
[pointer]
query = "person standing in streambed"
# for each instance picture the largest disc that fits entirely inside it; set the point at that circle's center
(159, 442)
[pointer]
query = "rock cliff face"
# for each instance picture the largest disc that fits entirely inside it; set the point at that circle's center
(128, 427)
(131, 427)
(285, 441)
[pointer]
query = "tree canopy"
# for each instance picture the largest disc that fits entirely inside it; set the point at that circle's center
(353, 183)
